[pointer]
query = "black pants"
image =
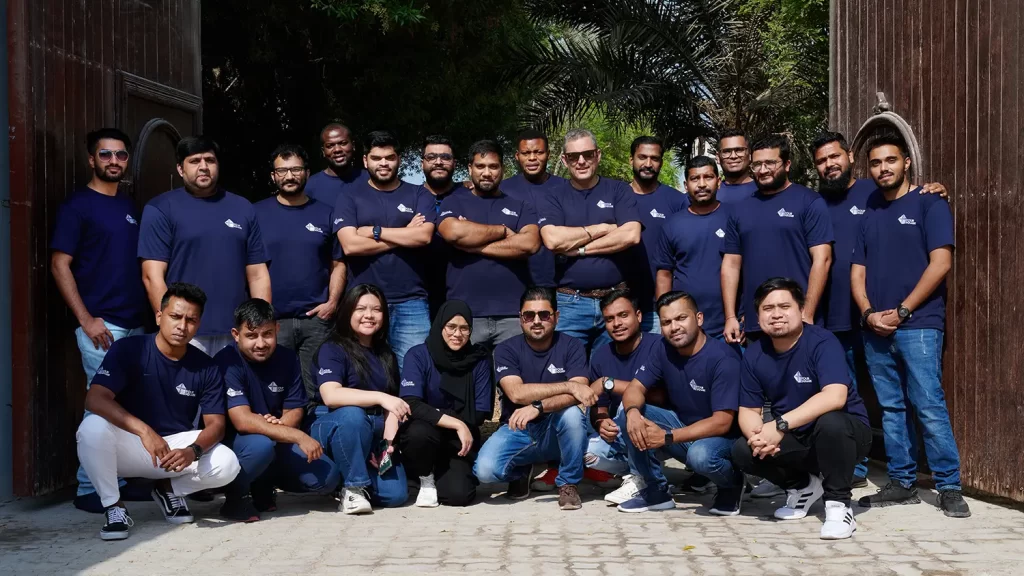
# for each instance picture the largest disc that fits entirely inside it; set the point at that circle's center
(428, 449)
(832, 447)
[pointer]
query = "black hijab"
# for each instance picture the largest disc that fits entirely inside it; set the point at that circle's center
(455, 367)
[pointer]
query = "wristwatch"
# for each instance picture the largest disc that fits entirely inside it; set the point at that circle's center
(864, 317)
(669, 440)
(904, 313)
(539, 406)
(781, 425)
(197, 450)
(609, 385)
(376, 233)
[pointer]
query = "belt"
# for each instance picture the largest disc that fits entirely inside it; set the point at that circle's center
(593, 292)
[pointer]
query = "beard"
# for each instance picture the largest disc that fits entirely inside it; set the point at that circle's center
(102, 174)
(774, 185)
(836, 186)
(485, 187)
(895, 183)
(383, 181)
(298, 189)
(645, 178)
(439, 182)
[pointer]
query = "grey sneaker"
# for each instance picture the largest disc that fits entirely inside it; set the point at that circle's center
(891, 494)
(952, 504)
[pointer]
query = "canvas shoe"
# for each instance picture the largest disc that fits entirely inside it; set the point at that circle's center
(649, 499)
(174, 507)
(892, 494)
(117, 523)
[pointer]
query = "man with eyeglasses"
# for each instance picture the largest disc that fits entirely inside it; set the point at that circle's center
(543, 379)
(734, 154)
(591, 224)
(95, 266)
(344, 167)
(491, 236)
(438, 163)
(306, 265)
(383, 226)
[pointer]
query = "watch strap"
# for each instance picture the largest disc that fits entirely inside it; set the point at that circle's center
(669, 439)
(539, 406)
(197, 450)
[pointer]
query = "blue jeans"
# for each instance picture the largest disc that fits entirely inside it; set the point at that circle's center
(906, 368)
(410, 325)
(710, 457)
(853, 343)
(350, 436)
(92, 357)
(264, 461)
(581, 318)
(650, 322)
(610, 457)
(560, 436)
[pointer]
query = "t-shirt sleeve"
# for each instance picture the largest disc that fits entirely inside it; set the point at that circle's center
(114, 372)
(450, 208)
(830, 363)
(575, 359)
(665, 252)
(527, 217)
(155, 235)
(331, 364)
(212, 400)
(652, 370)
(732, 236)
(295, 395)
(67, 230)
(751, 391)
(345, 214)
(725, 384)
(236, 385)
(860, 252)
(483, 381)
(414, 375)
(256, 251)
(938, 225)
(625, 206)
(549, 209)
(817, 224)
(425, 205)
(506, 362)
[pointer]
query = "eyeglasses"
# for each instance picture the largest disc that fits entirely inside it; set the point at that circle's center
(106, 155)
(463, 329)
(443, 157)
(530, 315)
(574, 157)
(729, 152)
(769, 164)
(297, 170)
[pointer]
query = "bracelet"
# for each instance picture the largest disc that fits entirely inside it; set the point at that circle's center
(589, 235)
(631, 408)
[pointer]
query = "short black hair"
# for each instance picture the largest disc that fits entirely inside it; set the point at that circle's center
(484, 147)
(531, 134)
(254, 312)
(188, 292)
(617, 293)
(286, 151)
(381, 139)
(641, 140)
(92, 139)
(778, 283)
(828, 138)
(192, 145)
(888, 138)
(539, 293)
(732, 133)
(699, 162)
(437, 140)
(668, 298)
(773, 141)
(334, 125)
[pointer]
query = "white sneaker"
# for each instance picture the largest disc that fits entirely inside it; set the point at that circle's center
(631, 487)
(766, 489)
(839, 522)
(798, 502)
(355, 501)
(427, 497)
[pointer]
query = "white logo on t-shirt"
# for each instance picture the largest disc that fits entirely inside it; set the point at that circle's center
(904, 220)
(508, 212)
(555, 369)
(232, 392)
(102, 372)
(720, 233)
(801, 378)
(312, 228)
(407, 382)
(273, 387)
(656, 214)
(446, 212)
(404, 208)
(130, 220)
(856, 211)
(541, 221)
(603, 204)
(325, 371)
(230, 224)
(184, 391)
(338, 220)
(501, 369)
(783, 214)
(696, 388)
(643, 368)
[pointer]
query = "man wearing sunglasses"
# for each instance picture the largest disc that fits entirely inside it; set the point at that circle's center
(591, 225)
(543, 377)
(734, 154)
(94, 264)
(438, 162)
(344, 167)
(305, 258)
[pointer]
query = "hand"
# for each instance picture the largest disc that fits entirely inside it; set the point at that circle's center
(934, 188)
(365, 231)
(608, 430)
(808, 318)
(97, 331)
(397, 406)
(271, 419)
(521, 417)
(583, 393)
(466, 437)
(178, 460)
(891, 318)
(636, 427)
(324, 311)
(311, 448)
(733, 331)
(416, 220)
(767, 442)
(155, 445)
(375, 462)
(878, 326)
(655, 435)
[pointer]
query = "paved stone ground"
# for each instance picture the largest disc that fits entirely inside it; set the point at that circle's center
(531, 538)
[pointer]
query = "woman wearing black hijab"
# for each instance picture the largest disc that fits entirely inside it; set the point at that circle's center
(449, 386)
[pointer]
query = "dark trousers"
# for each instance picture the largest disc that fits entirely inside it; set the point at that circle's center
(304, 336)
(428, 449)
(832, 447)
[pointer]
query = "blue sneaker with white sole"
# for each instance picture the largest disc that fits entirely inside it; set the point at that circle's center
(650, 498)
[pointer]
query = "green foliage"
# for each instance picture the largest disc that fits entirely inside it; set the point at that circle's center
(390, 13)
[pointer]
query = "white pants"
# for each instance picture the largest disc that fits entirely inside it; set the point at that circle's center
(212, 344)
(107, 452)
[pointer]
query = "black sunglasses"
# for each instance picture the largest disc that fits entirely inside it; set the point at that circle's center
(529, 315)
(106, 155)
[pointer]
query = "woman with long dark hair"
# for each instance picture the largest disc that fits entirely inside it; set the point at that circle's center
(358, 411)
(449, 386)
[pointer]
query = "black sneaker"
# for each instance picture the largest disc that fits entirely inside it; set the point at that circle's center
(952, 504)
(265, 500)
(694, 484)
(891, 495)
(174, 507)
(201, 496)
(859, 482)
(519, 489)
(727, 501)
(117, 525)
(240, 510)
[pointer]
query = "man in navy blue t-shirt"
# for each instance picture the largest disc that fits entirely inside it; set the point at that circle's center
(700, 377)
(205, 236)
(344, 165)
(306, 266)
(782, 230)
(266, 404)
(384, 226)
(591, 225)
(95, 266)
(437, 160)
(818, 423)
(143, 403)
(543, 379)
(491, 235)
(655, 204)
(734, 153)
(903, 252)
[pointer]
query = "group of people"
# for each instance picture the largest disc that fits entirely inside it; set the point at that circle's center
(623, 323)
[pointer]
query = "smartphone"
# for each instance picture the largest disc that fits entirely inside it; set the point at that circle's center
(385, 458)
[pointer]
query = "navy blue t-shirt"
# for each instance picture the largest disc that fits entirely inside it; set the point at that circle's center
(302, 251)
(332, 364)
(731, 193)
(605, 362)
(268, 387)
(420, 379)
(439, 253)
(608, 202)
(789, 379)
(398, 272)
(654, 209)
(326, 188)
(165, 394)
(691, 248)
(207, 242)
(774, 235)
(698, 385)
(542, 264)
(847, 211)
(565, 359)
(101, 234)
(491, 286)
(893, 245)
